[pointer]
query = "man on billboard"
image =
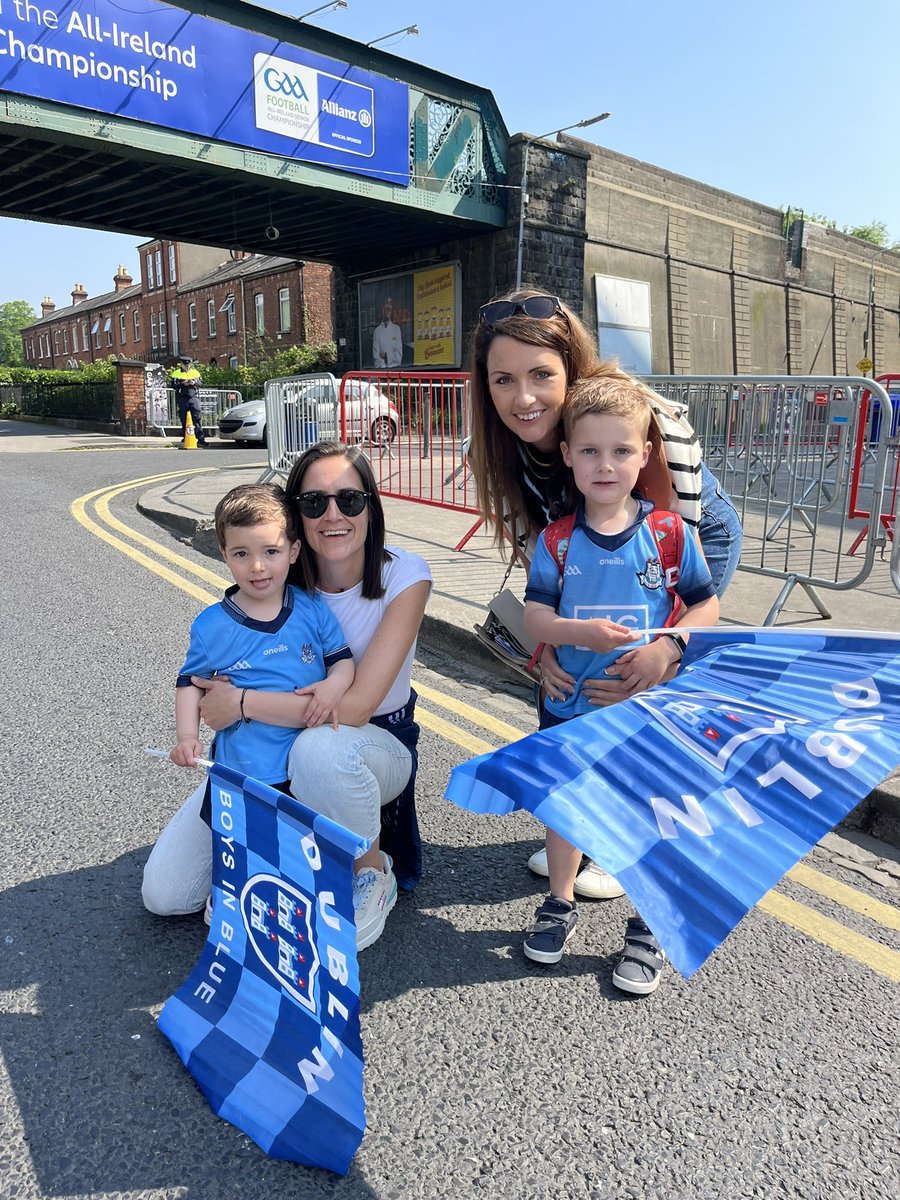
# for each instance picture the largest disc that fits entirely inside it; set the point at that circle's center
(387, 342)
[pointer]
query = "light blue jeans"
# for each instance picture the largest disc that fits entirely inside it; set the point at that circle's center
(347, 774)
(721, 535)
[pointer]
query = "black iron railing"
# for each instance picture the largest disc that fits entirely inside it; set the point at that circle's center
(88, 401)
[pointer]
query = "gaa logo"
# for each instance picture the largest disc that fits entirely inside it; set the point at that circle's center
(285, 84)
(276, 917)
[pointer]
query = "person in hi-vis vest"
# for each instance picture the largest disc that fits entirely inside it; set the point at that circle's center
(187, 383)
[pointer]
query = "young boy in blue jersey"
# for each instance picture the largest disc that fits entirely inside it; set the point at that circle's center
(264, 634)
(591, 598)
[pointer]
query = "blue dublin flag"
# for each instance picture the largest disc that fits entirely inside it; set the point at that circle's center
(700, 794)
(268, 1021)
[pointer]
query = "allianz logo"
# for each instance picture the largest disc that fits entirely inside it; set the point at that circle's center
(280, 649)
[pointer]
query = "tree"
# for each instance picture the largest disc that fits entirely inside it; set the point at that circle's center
(14, 316)
(875, 232)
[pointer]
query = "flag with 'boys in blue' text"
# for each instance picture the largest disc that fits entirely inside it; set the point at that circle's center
(268, 1021)
(698, 795)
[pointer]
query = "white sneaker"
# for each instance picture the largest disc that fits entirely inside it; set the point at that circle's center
(374, 895)
(591, 883)
(207, 912)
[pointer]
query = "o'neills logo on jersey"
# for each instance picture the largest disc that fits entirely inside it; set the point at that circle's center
(277, 919)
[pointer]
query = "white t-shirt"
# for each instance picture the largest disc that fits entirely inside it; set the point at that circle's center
(359, 618)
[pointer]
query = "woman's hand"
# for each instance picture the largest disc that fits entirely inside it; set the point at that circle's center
(557, 683)
(632, 673)
(221, 702)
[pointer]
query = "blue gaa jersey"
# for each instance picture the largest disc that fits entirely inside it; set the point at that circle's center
(294, 650)
(619, 577)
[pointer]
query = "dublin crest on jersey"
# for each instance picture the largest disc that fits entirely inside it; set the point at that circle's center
(652, 575)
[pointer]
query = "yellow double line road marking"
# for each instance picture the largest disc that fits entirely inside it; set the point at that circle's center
(806, 920)
(799, 916)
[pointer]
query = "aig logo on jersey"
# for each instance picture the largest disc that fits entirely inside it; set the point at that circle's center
(277, 920)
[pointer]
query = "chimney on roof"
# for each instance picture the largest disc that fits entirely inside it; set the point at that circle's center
(47, 307)
(79, 293)
(122, 279)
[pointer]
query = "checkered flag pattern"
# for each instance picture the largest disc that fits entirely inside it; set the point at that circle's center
(268, 1021)
(699, 795)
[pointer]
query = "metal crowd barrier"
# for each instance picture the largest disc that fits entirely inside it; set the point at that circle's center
(300, 411)
(875, 418)
(420, 448)
(784, 448)
(414, 425)
(162, 409)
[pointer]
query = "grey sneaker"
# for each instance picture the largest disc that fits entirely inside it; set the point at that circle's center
(641, 961)
(554, 924)
(374, 895)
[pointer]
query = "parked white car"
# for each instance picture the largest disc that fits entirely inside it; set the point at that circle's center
(370, 415)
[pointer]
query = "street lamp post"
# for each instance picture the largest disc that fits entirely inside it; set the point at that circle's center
(523, 194)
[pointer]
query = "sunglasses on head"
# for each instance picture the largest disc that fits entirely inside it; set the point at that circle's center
(350, 502)
(539, 307)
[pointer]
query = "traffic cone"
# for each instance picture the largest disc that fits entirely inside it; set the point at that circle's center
(190, 438)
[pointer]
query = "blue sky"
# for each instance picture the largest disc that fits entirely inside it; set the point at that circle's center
(785, 103)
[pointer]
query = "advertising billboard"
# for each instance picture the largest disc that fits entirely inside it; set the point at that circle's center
(410, 320)
(182, 71)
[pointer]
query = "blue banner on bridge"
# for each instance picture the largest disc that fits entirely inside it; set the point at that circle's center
(268, 1021)
(191, 73)
(700, 794)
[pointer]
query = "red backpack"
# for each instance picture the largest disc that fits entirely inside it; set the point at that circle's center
(668, 534)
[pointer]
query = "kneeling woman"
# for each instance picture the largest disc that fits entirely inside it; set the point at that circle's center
(362, 775)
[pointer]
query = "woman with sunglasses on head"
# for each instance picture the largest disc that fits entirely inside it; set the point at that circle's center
(361, 774)
(526, 350)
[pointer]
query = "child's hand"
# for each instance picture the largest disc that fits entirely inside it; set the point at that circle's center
(557, 683)
(603, 635)
(645, 667)
(186, 753)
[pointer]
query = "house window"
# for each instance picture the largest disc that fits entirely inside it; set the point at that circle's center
(65, 339)
(159, 274)
(56, 341)
(122, 336)
(171, 262)
(284, 309)
(107, 329)
(150, 284)
(137, 325)
(163, 332)
(154, 341)
(192, 319)
(211, 317)
(228, 309)
(259, 302)
(174, 329)
(233, 362)
(95, 333)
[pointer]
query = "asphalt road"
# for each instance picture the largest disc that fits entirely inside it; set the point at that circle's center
(772, 1073)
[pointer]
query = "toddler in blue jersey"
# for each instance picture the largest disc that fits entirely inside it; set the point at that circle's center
(264, 634)
(592, 599)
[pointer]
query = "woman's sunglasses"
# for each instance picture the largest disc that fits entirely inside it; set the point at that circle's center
(539, 307)
(349, 501)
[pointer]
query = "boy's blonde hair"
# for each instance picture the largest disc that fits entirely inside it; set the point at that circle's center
(609, 395)
(254, 504)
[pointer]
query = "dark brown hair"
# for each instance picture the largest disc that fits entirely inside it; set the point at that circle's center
(493, 452)
(305, 572)
(254, 504)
